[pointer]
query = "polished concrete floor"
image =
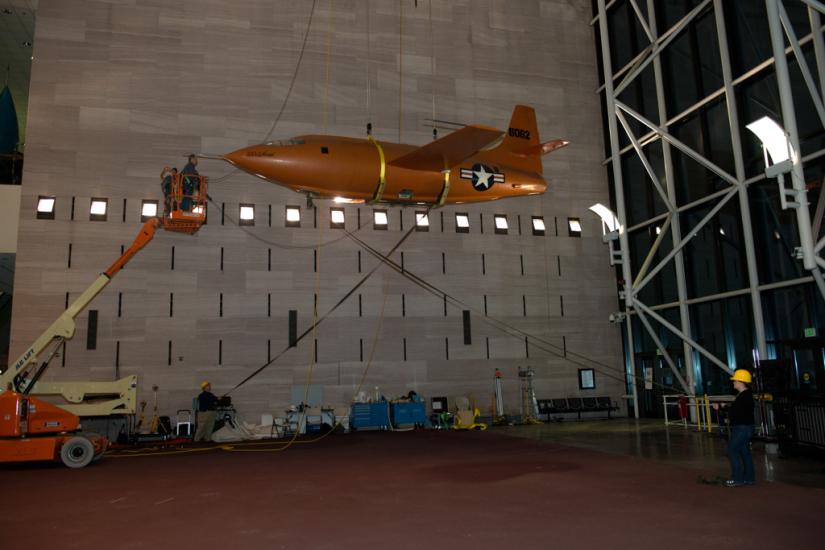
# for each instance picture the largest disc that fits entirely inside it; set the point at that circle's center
(651, 439)
(609, 484)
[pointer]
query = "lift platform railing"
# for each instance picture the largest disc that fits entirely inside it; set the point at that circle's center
(186, 208)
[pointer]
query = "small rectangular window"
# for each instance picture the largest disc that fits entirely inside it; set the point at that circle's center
(45, 208)
(502, 226)
(587, 379)
(293, 216)
(462, 223)
(148, 210)
(538, 226)
(336, 218)
(422, 221)
(247, 214)
(380, 219)
(98, 210)
(575, 227)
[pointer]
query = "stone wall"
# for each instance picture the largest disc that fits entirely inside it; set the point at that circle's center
(119, 89)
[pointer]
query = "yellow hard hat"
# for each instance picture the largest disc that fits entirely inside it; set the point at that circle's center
(206, 383)
(742, 375)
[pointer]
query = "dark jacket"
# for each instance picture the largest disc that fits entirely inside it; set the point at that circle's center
(207, 401)
(741, 412)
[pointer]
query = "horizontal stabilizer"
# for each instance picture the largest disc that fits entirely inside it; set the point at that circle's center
(449, 150)
(546, 147)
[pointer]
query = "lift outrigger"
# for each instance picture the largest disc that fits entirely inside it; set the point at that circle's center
(32, 428)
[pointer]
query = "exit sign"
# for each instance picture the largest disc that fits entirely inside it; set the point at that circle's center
(810, 332)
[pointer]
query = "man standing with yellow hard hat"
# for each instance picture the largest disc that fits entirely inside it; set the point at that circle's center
(207, 402)
(741, 430)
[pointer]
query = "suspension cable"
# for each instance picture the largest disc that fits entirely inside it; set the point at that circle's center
(508, 329)
(327, 314)
(288, 92)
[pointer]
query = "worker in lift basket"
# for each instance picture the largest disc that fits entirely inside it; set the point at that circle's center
(189, 183)
(207, 403)
(166, 177)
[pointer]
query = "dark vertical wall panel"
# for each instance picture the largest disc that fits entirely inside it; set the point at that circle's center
(91, 330)
(293, 327)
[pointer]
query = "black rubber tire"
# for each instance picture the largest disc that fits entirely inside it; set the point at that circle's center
(77, 452)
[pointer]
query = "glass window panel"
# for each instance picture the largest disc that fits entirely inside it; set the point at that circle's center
(98, 208)
(293, 214)
(45, 205)
(247, 212)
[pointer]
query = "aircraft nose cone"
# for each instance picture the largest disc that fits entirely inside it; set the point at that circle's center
(237, 157)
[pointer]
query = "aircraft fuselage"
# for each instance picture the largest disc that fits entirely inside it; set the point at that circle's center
(333, 166)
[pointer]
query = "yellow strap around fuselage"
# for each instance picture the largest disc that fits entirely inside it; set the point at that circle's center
(444, 190)
(382, 182)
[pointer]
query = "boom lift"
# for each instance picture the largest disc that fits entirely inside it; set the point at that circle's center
(34, 429)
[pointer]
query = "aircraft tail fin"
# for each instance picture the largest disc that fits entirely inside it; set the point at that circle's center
(522, 140)
(523, 132)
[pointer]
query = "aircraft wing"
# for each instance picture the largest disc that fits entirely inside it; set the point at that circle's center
(449, 150)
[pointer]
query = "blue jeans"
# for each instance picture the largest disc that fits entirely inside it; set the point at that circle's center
(739, 453)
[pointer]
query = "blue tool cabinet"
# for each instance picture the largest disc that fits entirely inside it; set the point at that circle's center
(370, 416)
(408, 414)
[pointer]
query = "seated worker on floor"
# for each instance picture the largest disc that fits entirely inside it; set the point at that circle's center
(207, 402)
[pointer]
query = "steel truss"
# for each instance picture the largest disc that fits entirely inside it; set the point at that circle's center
(794, 198)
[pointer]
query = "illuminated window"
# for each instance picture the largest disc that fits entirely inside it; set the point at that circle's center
(379, 219)
(45, 208)
(293, 216)
(462, 223)
(247, 214)
(98, 209)
(422, 221)
(148, 210)
(501, 224)
(538, 226)
(336, 218)
(587, 379)
(575, 227)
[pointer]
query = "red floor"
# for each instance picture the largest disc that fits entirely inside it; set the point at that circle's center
(419, 490)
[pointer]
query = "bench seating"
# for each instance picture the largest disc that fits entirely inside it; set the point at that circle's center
(577, 405)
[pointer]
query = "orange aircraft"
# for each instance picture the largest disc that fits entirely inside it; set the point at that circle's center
(472, 164)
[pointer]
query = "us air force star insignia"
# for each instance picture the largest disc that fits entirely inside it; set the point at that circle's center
(482, 176)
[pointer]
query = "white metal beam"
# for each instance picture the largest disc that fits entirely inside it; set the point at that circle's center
(660, 44)
(712, 358)
(783, 81)
(620, 204)
(685, 241)
(645, 162)
(819, 6)
(685, 386)
(739, 167)
(676, 227)
(679, 145)
(803, 64)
